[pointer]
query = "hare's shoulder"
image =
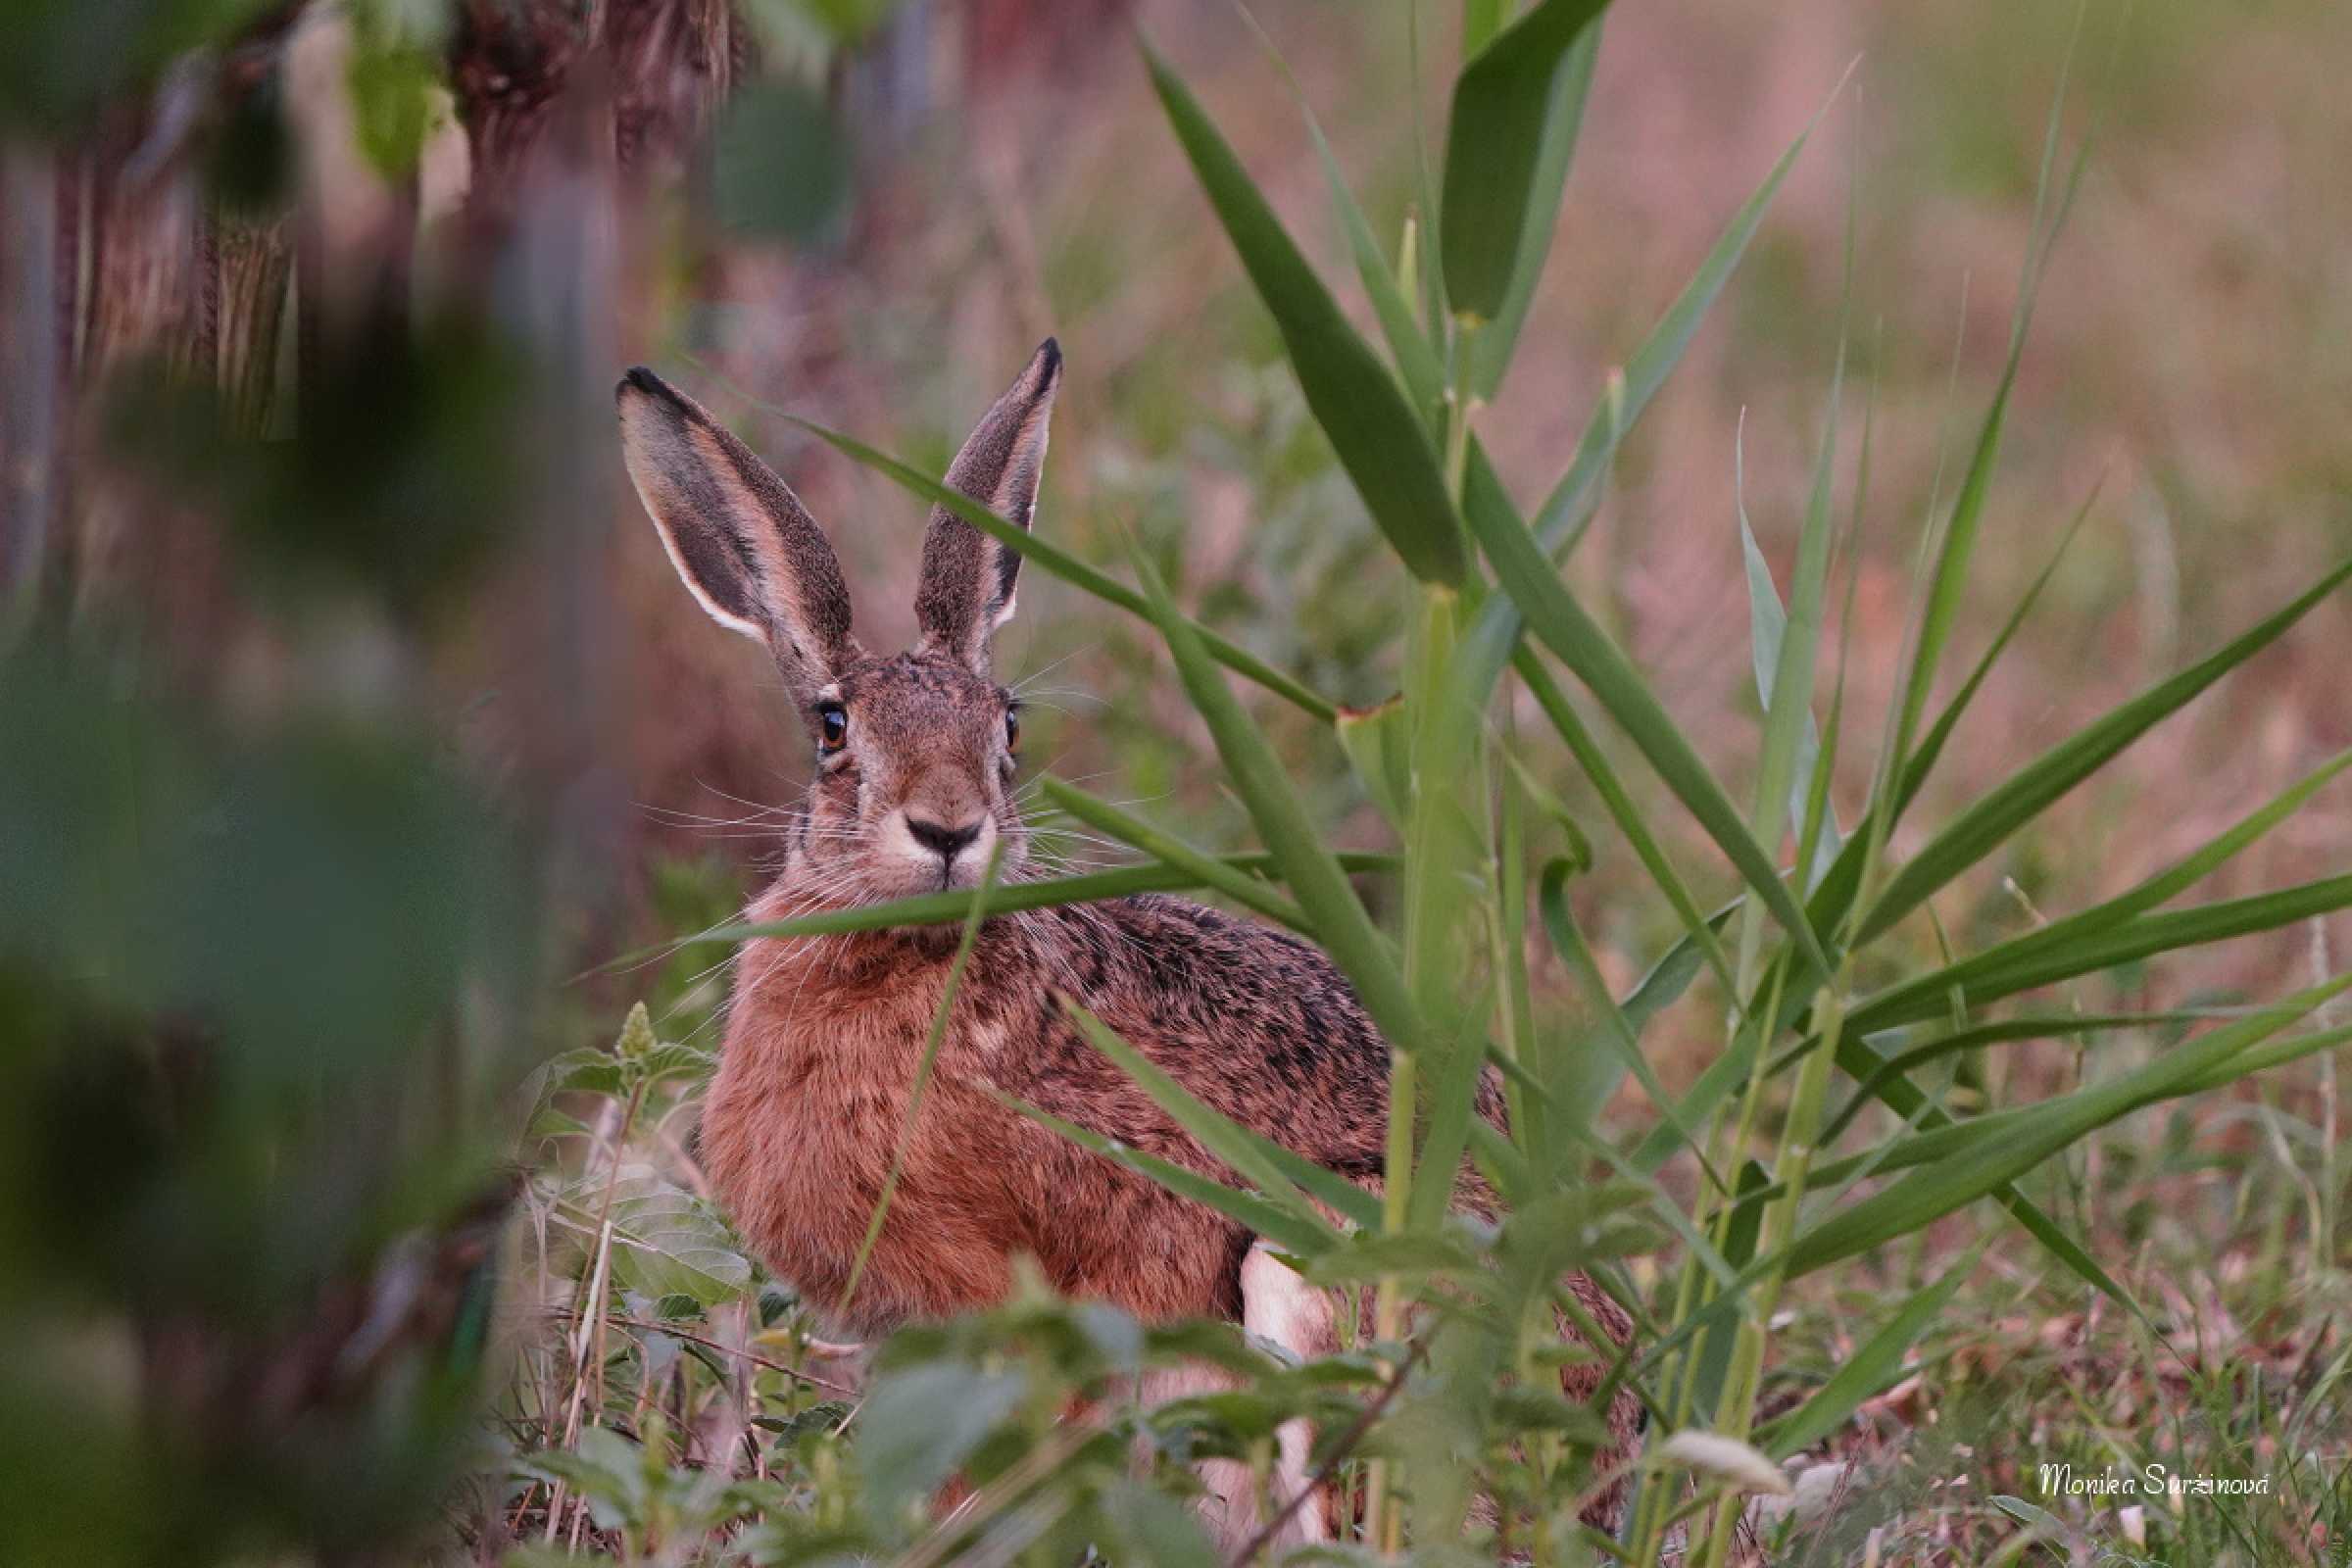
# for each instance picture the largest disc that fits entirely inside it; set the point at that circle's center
(1251, 1019)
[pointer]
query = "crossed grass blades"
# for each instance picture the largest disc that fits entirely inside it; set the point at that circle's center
(1841, 1116)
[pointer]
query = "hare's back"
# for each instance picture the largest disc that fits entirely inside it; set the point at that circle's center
(1252, 1021)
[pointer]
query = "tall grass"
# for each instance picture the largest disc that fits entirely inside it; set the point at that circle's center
(1823, 1017)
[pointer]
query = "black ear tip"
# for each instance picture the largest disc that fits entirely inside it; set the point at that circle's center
(641, 379)
(1048, 360)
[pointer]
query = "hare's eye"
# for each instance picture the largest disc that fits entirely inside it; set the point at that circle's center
(832, 727)
(1012, 729)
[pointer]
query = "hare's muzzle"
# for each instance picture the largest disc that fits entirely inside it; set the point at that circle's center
(958, 850)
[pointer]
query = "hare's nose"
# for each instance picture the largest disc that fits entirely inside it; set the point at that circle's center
(945, 842)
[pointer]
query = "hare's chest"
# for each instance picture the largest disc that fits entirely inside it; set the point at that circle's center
(800, 1131)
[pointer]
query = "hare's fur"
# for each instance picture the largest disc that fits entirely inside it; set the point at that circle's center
(912, 793)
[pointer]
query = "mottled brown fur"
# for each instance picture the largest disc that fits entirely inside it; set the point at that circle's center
(821, 1049)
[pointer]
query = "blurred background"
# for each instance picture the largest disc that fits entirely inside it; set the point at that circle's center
(352, 720)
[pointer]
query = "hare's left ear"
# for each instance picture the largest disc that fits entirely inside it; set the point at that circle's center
(966, 588)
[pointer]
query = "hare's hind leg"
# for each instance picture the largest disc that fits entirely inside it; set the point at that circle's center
(1278, 1305)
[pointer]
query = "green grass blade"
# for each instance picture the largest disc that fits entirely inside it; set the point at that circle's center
(1560, 520)
(1996, 1151)
(1949, 577)
(1335, 1192)
(1496, 141)
(1216, 1132)
(1559, 924)
(1832, 899)
(1380, 442)
(945, 909)
(1876, 1366)
(1788, 691)
(1260, 1217)
(924, 1067)
(1562, 624)
(2037, 958)
(1570, 506)
(1978, 829)
(1314, 875)
(1699, 931)
(1061, 564)
(1210, 871)
(2006, 1031)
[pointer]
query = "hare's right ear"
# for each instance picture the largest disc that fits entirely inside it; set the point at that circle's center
(738, 535)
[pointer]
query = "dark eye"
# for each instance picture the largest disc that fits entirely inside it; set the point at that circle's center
(1012, 729)
(832, 727)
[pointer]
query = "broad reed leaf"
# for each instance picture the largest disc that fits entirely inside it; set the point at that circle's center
(1417, 363)
(1491, 346)
(1501, 131)
(2025, 793)
(1380, 443)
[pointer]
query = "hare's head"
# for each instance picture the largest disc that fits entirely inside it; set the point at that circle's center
(914, 753)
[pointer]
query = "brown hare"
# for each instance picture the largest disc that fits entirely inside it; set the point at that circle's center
(913, 792)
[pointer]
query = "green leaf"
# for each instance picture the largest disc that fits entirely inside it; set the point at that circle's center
(948, 909)
(1997, 1150)
(1206, 869)
(922, 1423)
(1872, 1368)
(1834, 896)
(1949, 578)
(1782, 792)
(1417, 363)
(1496, 144)
(2038, 960)
(668, 1242)
(1560, 923)
(1562, 624)
(1974, 834)
(1060, 563)
(1768, 628)
(1618, 801)
(1313, 873)
(1256, 1214)
(1491, 346)
(1379, 441)
(925, 1065)
(1216, 1132)
(1378, 741)
(1561, 520)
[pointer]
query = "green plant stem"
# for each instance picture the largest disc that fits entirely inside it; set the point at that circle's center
(1734, 1415)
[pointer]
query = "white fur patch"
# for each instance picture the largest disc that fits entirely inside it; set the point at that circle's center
(1278, 1305)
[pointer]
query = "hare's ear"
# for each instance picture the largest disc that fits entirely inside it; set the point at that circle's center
(967, 589)
(738, 535)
